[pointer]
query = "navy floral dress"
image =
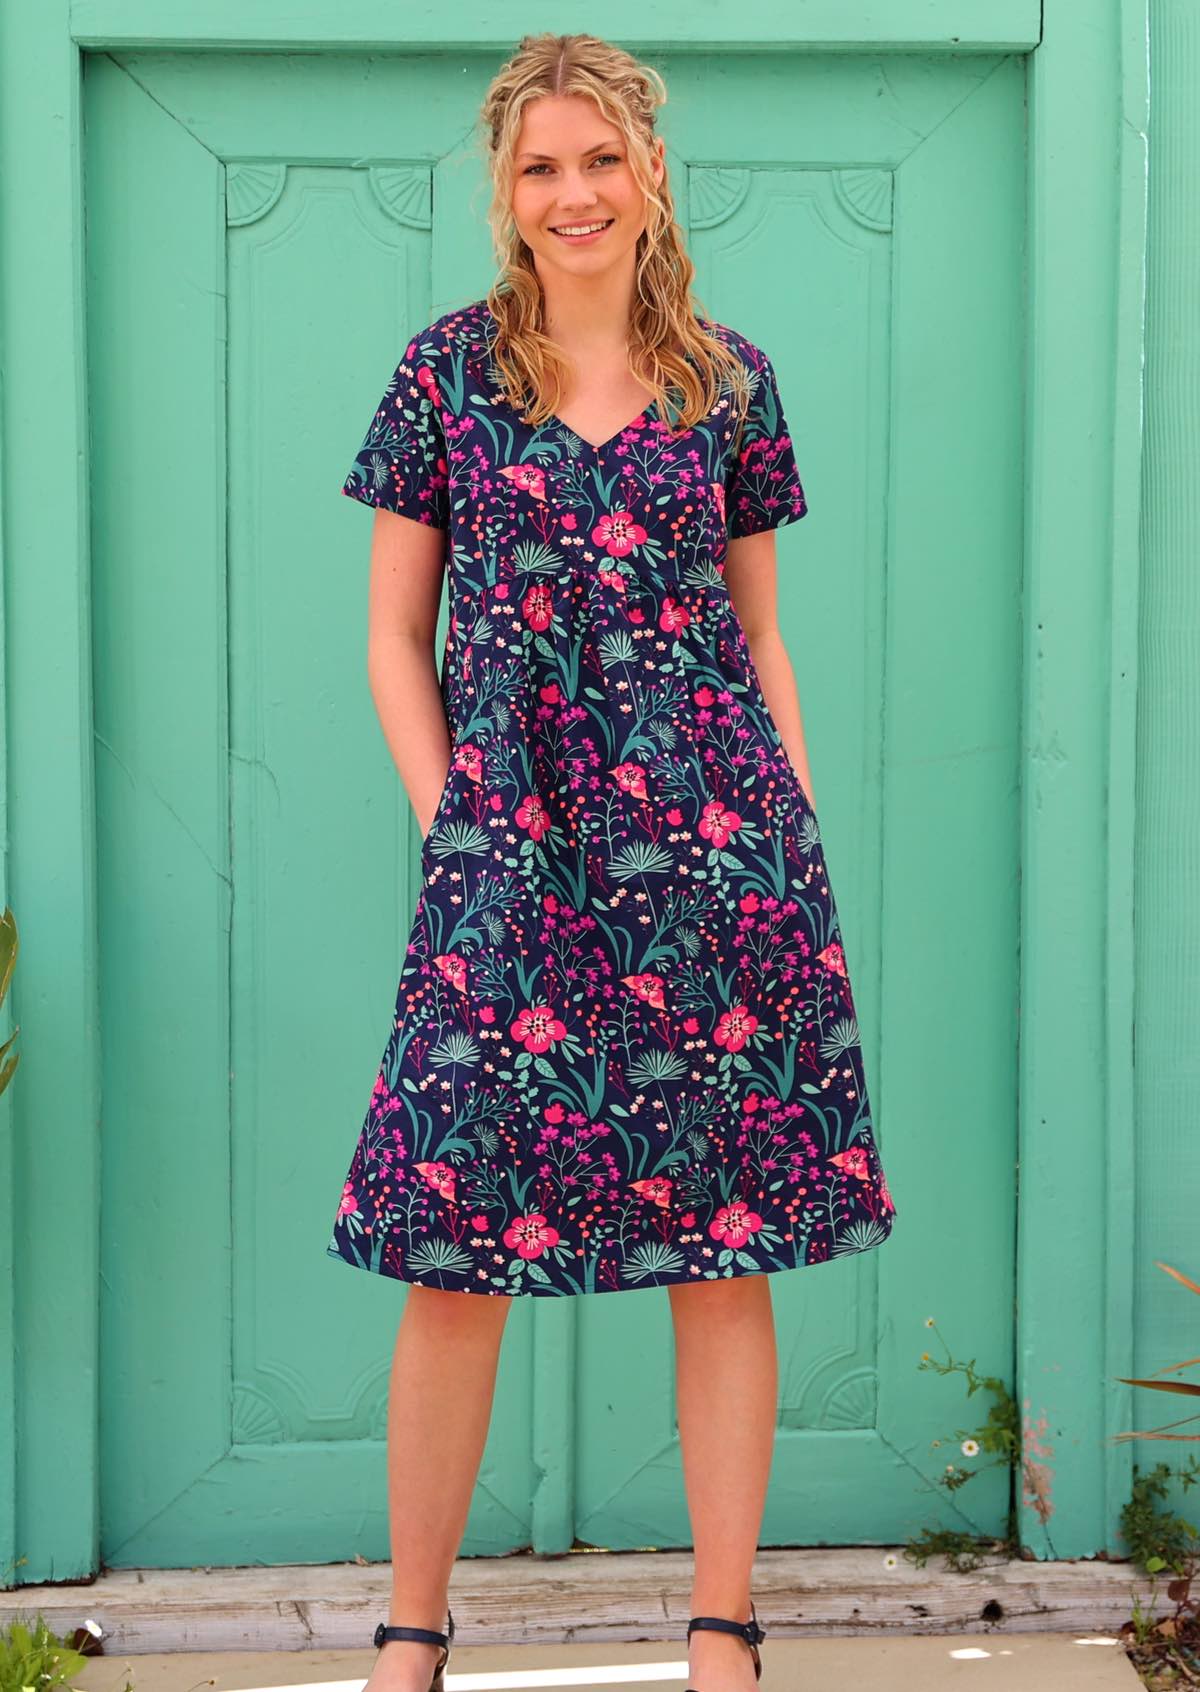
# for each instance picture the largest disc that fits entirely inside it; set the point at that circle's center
(624, 1050)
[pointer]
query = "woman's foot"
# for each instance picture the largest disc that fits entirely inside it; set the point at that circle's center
(720, 1662)
(404, 1665)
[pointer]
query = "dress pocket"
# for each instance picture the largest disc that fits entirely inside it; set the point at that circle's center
(440, 809)
(798, 788)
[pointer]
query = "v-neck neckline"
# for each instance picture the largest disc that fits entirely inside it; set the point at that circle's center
(599, 446)
(651, 406)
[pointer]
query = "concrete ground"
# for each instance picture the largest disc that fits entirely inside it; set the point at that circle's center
(1035, 1662)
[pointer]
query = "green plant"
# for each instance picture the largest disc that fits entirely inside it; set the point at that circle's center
(999, 1437)
(1187, 1389)
(35, 1659)
(1161, 1540)
(1162, 1647)
(1158, 1539)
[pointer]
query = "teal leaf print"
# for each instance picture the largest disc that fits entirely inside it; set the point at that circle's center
(458, 1047)
(459, 838)
(643, 857)
(843, 1037)
(434, 1257)
(652, 1262)
(656, 1066)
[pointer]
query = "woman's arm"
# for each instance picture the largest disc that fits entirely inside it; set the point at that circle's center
(750, 576)
(407, 572)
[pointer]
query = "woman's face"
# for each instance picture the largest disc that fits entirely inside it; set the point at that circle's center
(572, 170)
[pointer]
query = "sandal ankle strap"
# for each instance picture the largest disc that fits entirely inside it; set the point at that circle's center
(750, 1631)
(421, 1635)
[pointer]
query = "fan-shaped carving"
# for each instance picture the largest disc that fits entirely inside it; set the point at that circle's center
(851, 1403)
(714, 195)
(405, 192)
(251, 190)
(256, 1420)
(866, 196)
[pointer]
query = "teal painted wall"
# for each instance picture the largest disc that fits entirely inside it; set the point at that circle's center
(958, 332)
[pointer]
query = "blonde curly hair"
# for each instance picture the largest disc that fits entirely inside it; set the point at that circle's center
(670, 350)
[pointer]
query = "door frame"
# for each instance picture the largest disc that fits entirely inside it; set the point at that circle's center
(1087, 124)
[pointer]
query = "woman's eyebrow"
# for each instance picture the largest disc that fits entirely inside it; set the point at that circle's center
(600, 146)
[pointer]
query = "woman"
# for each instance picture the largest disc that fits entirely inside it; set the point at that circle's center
(625, 1051)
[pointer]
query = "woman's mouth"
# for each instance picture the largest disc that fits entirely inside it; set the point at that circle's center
(579, 234)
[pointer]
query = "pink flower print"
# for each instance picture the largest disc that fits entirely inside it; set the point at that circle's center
(854, 1161)
(646, 987)
(528, 477)
(691, 1025)
(619, 533)
(537, 608)
(884, 1193)
(673, 616)
(454, 968)
(718, 493)
(657, 1189)
(349, 1203)
(532, 1235)
(479, 1223)
(534, 816)
(734, 1223)
(748, 903)
(611, 578)
(469, 757)
(568, 520)
(427, 380)
(688, 1219)
(487, 1013)
(833, 958)
(631, 778)
(537, 1028)
(704, 697)
(717, 824)
(440, 1176)
(550, 694)
(734, 1028)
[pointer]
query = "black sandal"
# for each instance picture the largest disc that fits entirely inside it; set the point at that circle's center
(750, 1631)
(423, 1636)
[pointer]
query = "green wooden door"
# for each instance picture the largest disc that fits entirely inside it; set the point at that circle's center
(262, 238)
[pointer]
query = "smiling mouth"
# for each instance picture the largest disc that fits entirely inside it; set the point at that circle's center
(563, 230)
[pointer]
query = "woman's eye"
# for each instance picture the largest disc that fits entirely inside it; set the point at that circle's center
(615, 157)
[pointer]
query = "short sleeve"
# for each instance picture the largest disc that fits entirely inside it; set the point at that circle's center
(401, 464)
(762, 486)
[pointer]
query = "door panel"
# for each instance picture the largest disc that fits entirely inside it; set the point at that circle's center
(263, 236)
(890, 300)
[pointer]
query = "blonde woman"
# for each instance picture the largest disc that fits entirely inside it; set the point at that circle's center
(624, 1051)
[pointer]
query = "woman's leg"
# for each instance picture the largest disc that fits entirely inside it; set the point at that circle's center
(727, 1384)
(439, 1408)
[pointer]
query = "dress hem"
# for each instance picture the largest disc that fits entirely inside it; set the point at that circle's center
(533, 1289)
